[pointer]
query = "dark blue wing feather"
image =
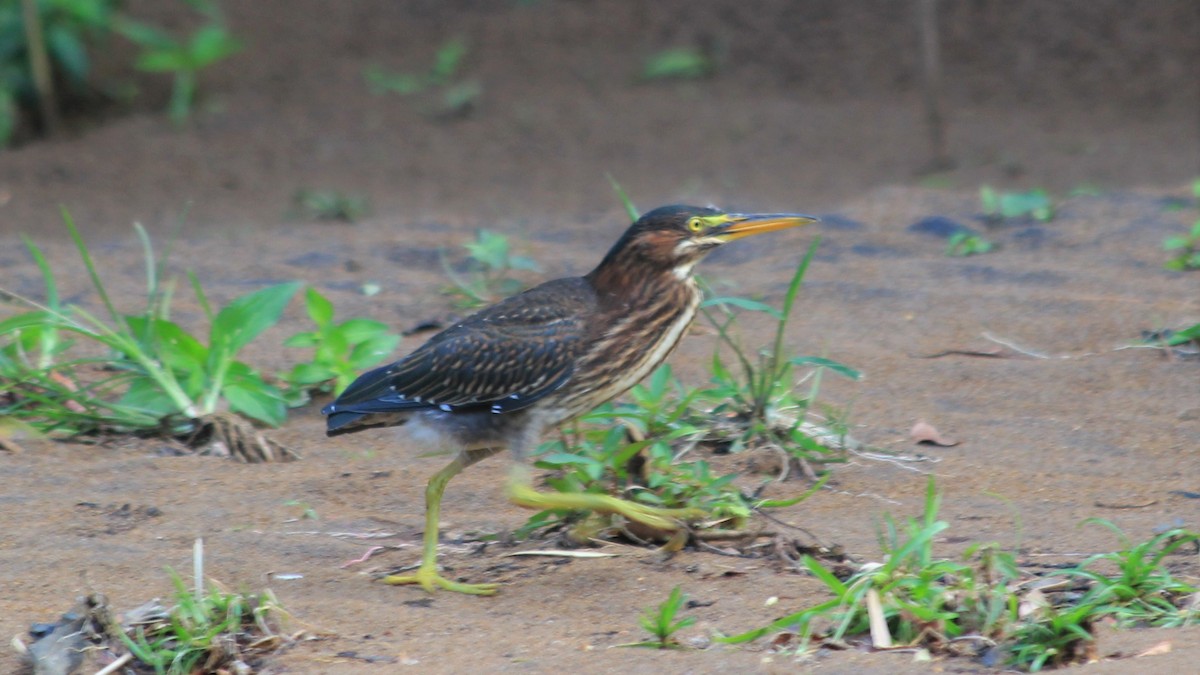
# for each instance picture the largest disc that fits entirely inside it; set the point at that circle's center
(502, 359)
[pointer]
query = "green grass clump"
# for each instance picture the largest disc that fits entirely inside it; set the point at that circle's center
(961, 244)
(1032, 204)
(457, 97)
(1143, 591)
(662, 624)
(916, 599)
(911, 598)
(1186, 250)
(757, 396)
(328, 205)
(151, 375)
(206, 631)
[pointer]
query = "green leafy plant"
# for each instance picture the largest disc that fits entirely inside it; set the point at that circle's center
(662, 623)
(490, 264)
(967, 243)
(1143, 592)
(1057, 637)
(916, 599)
(182, 57)
(1186, 250)
(44, 52)
(913, 598)
(154, 376)
(682, 63)
(997, 206)
(457, 96)
(205, 630)
(340, 350)
(328, 205)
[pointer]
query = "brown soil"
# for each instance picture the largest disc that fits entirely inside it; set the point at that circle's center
(814, 110)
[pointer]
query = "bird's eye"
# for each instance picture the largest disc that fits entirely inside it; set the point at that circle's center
(694, 224)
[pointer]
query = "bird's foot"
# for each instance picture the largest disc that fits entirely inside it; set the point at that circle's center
(668, 520)
(430, 580)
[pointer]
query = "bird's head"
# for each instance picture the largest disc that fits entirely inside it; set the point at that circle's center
(675, 238)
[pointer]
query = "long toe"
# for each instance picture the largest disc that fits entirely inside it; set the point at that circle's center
(430, 580)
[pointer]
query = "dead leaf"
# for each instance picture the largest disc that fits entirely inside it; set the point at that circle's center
(924, 432)
(1032, 602)
(1163, 647)
(881, 637)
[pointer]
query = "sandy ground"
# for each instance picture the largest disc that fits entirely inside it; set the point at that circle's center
(1066, 425)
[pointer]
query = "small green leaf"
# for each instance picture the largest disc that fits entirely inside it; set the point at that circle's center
(320, 309)
(310, 373)
(821, 362)
(302, 340)
(162, 61)
(358, 330)
(744, 303)
(680, 63)
(447, 60)
(211, 44)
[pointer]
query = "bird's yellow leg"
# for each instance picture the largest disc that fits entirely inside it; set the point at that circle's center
(521, 493)
(427, 575)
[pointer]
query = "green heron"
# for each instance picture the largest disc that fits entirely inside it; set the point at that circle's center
(503, 376)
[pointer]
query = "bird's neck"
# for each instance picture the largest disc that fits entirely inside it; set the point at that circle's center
(618, 283)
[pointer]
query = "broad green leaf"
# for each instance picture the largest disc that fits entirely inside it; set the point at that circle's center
(310, 373)
(245, 318)
(145, 395)
(170, 344)
(249, 395)
(367, 354)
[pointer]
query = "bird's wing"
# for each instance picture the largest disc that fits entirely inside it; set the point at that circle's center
(504, 358)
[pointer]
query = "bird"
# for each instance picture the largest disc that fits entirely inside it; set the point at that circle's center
(503, 376)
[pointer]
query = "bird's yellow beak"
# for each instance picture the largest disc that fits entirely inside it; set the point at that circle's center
(745, 225)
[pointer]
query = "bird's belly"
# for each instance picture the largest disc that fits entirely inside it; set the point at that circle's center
(433, 432)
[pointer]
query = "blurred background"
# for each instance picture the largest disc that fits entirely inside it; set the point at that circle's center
(513, 111)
